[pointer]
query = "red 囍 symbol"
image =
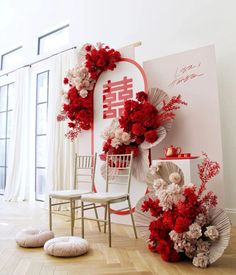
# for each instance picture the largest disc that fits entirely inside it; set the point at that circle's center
(114, 96)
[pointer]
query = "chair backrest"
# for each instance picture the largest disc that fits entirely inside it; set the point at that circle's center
(85, 167)
(118, 170)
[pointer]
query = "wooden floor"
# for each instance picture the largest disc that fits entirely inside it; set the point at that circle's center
(127, 256)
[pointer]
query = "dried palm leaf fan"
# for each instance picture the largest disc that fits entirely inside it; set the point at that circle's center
(219, 219)
(163, 171)
(143, 219)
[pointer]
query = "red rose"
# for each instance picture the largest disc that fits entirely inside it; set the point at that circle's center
(137, 116)
(71, 125)
(138, 129)
(141, 96)
(88, 48)
(101, 62)
(65, 81)
(151, 136)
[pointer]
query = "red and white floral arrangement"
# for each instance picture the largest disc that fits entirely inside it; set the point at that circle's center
(78, 100)
(139, 123)
(181, 226)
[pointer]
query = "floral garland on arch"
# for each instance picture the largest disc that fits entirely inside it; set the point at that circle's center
(78, 100)
(144, 124)
(182, 220)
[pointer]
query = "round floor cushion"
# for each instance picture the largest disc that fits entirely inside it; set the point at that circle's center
(66, 246)
(33, 237)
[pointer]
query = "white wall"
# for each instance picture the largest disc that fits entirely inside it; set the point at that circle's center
(164, 27)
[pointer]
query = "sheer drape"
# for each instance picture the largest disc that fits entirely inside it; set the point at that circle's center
(61, 151)
(20, 184)
(20, 170)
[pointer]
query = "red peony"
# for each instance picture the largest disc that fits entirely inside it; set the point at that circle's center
(151, 136)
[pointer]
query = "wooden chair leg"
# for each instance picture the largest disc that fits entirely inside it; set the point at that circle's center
(82, 219)
(71, 217)
(50, 213)
(132, 218)
(96, 215)
(109, 223)
(105, 218)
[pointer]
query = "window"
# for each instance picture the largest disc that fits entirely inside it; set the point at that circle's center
(12, 58)
(53, 40)
(6, 105)
(42, 86)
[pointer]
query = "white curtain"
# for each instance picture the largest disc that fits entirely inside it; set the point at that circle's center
(61, 151)
(20, 184)
(20, 166)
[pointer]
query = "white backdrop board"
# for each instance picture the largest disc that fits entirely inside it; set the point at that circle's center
(197, 126)
(127, 79)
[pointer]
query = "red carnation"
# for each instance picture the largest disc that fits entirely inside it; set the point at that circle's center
(168, 219)
(151, 136)
(182, 224)
(138, 129)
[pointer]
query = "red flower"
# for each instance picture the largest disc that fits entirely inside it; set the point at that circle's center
(168, 219)
(71, 125)
(141, 96)
(138, 129)
(151, 136)
(65, 81)
(88, 48)
(129, 149)
(182, 224)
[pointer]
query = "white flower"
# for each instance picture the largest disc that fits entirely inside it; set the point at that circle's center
(169, 196)
(212, 232)
(195, 231)
(83, 93)
(125, 137)
(115, 142)
(118, 133)
(190, 249)
(175, 178)
(203, 246)
(159, 184)
(201, 260)
(201, 219)
(82, 72)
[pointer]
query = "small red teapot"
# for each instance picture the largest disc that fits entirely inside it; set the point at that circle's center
(172, 151)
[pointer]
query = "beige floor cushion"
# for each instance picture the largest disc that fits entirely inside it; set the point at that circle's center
(32, 237)
(66, 246)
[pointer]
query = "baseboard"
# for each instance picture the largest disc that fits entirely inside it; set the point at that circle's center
(232, 215)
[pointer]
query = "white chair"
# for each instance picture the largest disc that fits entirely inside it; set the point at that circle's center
(118, 171)
(83, 183)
